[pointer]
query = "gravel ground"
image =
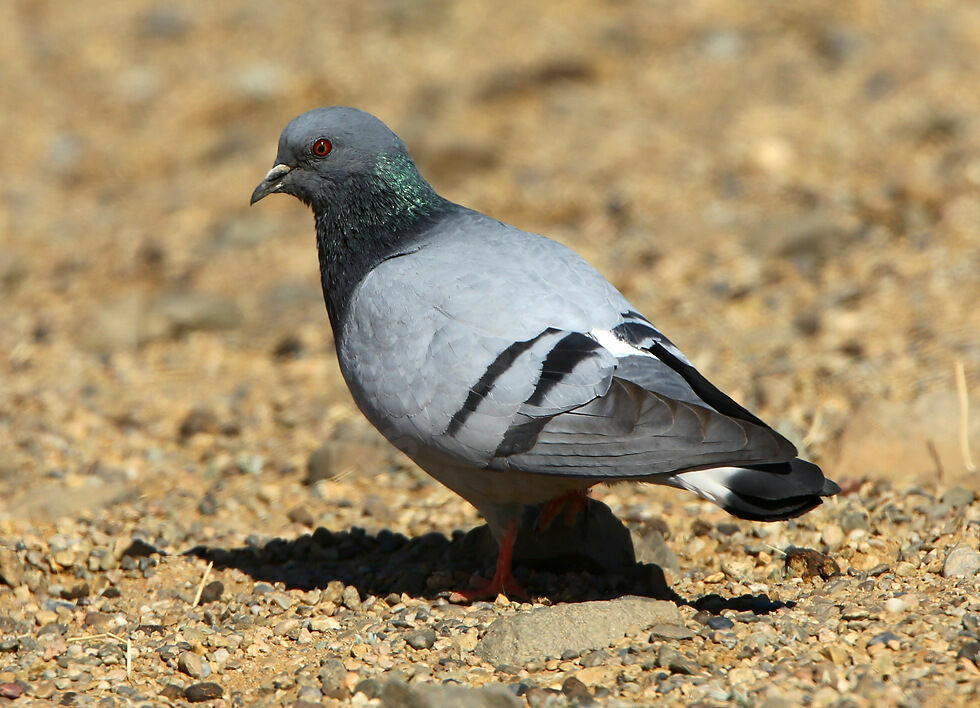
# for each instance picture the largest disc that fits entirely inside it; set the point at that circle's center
(191, 509)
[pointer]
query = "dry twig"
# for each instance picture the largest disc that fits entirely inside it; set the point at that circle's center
(964, 417)
(200, 587)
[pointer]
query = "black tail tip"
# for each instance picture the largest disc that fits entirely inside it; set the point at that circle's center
(830, 488)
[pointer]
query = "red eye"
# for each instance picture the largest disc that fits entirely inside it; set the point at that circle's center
(322, 147)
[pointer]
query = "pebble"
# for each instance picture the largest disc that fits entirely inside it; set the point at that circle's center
(204, 691)
(193, 665)
(961, 562)
(198, 420)
(351, 598)
(212, 592)
(672, 660)
(320, 465)
(854, 519)
(958, 497)
(577, 692)
(421, 639)
(808, 563)
(719, 623)
(832, 536)
(971, 652)
(332, 675)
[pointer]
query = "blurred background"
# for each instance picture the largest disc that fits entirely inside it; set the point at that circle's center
(791, 191)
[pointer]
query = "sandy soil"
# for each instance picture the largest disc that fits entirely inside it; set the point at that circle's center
(790, 191)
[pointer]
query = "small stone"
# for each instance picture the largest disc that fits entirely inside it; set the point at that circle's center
(193, 665)
(11, 690)
(198, 420)
(96, 620)
(421, 639)
(208, 506)
(172, 692)
(889, 639)
(289, 346)
(11, 568)
(301, 515)
(42, 689)
(334, 590)
(854, 613)
(837, 655)
(369, 687)
(320, 464)
(670, 631)
(351, 598)
(832, 536)
(971, 652)
(286, 626)
(578, 693)
(177, 313)
(56, 628)
(971, 623)
(594, 658)
(672, 660)
(958, 497)
(75, 592)
(139, 548)
(961, 562)
(332, 675)
(719, 623)
(904, 569)
(45, 617)
(808, 563)
(895, 605)
(854, 519)
(212, 592)
(310, 694)
(204, 691)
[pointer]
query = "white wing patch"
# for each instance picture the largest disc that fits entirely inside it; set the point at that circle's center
(616, 346)
(620, 347)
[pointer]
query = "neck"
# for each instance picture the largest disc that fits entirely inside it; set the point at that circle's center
(367, 220)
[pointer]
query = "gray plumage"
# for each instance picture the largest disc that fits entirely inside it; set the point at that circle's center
(500, 361)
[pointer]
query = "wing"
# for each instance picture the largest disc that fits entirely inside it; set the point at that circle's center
(502, 349)
(658, 416)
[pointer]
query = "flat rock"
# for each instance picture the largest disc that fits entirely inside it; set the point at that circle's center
(396, 694)
(546, 632)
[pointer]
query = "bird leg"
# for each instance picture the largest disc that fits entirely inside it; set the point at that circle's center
(572, 503)
(502, 581)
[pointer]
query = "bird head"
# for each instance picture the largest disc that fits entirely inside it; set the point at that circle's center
(327, 151)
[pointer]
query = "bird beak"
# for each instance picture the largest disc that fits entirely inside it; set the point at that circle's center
(271, 183)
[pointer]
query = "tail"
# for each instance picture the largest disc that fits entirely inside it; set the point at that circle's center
(768, 492)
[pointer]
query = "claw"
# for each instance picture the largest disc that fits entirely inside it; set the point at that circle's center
(502, 582)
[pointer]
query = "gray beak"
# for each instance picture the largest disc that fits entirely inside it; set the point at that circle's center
(271, 183)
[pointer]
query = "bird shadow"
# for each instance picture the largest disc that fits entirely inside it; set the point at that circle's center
(432, 565)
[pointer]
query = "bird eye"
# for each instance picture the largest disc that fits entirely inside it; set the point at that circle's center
(322, 147)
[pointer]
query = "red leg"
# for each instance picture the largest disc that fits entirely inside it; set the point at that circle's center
(502, 580)
(572, 503)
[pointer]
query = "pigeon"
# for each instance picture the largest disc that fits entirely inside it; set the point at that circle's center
(500, 361)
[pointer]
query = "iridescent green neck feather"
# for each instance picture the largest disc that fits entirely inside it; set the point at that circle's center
(366, 219)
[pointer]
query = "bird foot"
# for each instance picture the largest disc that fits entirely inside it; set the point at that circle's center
(571, 503)
(502, 581)
(483, 589)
